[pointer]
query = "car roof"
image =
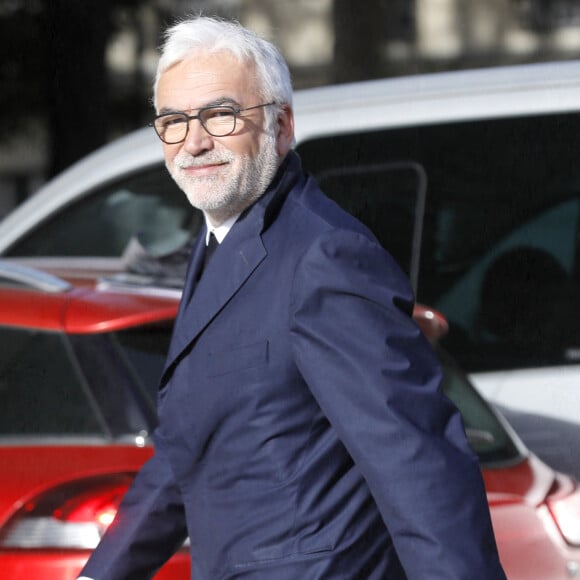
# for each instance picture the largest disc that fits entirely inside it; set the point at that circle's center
(437, 98)
(76, 304)
(333, 110)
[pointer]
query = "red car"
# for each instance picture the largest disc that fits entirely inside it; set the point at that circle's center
(79, 362)
(78, 373)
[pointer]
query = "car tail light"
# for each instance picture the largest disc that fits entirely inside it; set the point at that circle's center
(564, 506)
(74, 515)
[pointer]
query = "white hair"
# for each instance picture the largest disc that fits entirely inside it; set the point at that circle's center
(202, 34)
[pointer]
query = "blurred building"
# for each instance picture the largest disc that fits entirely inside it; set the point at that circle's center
(324, 41)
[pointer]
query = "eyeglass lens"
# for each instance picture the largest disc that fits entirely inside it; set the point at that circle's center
(217, 121)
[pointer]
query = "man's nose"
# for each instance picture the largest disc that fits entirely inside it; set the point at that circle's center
(197, 139)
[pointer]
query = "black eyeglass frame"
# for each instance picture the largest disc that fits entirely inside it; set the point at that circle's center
(187, 118)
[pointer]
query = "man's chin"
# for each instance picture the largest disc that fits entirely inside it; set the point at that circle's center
(201, 203)
(200, 197)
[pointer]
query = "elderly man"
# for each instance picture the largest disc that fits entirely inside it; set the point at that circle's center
(302, 434)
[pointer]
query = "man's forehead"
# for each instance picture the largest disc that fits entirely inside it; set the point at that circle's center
(206, 63)
(203, 79)
(206, 71)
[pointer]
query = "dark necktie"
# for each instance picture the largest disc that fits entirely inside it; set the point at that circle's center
(210, 249)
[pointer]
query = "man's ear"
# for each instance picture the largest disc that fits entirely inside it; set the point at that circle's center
(285, 130)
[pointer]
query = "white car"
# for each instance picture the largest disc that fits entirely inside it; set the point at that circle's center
(471, 179)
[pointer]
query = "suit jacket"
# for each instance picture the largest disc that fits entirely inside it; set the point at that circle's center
(302, 434)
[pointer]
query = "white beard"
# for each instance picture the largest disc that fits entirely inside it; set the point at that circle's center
(226, 194)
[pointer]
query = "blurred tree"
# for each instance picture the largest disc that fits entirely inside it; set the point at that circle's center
(22, 61)
(61, 75)
(76, 78)
(358, 37)
(374, 39)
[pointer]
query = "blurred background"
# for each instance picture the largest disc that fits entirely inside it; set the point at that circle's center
(76, 74)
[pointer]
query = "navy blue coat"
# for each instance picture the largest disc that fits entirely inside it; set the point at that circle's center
(302, 431)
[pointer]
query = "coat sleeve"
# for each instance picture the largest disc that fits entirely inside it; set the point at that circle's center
(377, 380)
(148, 529)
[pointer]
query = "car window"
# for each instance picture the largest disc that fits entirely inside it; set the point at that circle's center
(500, 239)
(389, 198)
(41, 392)
(148, 204)
(87, 384)
(116, 381)
(145, 349)
(485, 432)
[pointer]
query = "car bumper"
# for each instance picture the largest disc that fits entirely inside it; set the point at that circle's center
(66, 565)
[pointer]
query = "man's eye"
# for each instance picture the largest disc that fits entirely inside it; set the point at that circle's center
(169, 121)
(218, 113)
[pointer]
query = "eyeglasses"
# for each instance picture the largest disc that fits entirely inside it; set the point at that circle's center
(218, 121)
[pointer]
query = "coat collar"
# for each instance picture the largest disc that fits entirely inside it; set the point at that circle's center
(237, 257)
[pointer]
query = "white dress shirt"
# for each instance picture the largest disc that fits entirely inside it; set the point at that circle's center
(220, 232)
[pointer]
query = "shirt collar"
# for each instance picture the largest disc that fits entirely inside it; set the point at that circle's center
(221, 231)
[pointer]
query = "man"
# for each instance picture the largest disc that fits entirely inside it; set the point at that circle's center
(302, 434)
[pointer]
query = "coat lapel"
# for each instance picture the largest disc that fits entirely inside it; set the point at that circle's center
(235, 259)
(233, 262)
(195, 265)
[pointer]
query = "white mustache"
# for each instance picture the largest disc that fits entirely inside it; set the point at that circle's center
(187, 161)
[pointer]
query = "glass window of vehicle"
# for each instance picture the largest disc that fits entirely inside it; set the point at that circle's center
(105, 385)
(389, 198)
(147, 204)
(501, 234)
(41, 390)
(485, 432)
(499, 242)
(145, 349)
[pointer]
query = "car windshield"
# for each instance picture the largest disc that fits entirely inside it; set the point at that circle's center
(486, 434)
